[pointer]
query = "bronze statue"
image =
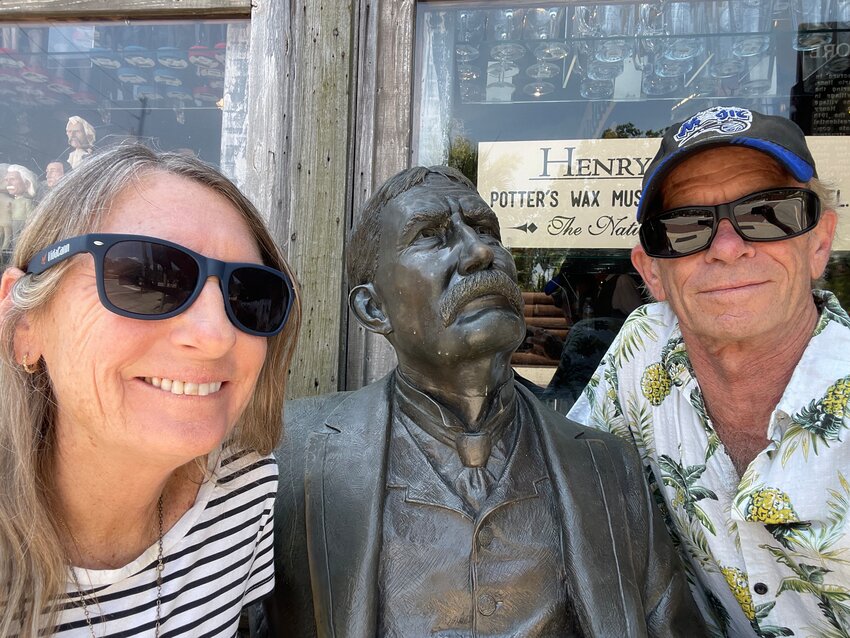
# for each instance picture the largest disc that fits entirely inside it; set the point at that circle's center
(445, 500)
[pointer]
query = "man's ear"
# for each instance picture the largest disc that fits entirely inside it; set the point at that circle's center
(366, 305)
(821, 242)
(648, 269)
(25, 341)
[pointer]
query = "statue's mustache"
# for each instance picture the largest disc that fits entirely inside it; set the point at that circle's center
(485, 282)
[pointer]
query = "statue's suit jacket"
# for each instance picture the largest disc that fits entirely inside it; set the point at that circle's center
(623, 576)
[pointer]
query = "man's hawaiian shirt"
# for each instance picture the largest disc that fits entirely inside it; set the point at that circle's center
(767, 553)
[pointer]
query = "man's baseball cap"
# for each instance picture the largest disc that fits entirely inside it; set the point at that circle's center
(776, 136)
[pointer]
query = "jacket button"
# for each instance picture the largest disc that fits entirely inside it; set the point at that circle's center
(486, 605)
(760, 588)
(485, 537)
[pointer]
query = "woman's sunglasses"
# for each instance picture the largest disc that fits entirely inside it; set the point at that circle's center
(148, 278)
(770, 215)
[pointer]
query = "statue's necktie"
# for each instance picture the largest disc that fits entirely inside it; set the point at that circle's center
(474, 482)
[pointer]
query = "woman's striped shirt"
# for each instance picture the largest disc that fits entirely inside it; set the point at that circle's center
(218, 559)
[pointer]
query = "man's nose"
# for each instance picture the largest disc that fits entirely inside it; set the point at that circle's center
(476, 251)
(727, 244)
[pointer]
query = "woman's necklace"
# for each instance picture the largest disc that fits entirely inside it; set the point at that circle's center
(160, 566)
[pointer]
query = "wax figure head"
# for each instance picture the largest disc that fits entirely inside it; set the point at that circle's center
(429, 272)
(53, 173)
(89, 340)
(734, 227)
(20, 181)
(81, 134)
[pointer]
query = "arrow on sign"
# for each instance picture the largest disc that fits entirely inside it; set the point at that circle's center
(526, 228)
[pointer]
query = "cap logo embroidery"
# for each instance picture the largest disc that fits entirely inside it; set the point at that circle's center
(724, 120)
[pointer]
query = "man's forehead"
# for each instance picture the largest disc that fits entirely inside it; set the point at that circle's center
(438, 193)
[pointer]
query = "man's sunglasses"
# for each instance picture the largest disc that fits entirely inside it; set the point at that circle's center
(148, 278)
(770, 215)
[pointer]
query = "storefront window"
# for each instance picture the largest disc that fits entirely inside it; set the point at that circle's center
(69, 89)
(555, 110)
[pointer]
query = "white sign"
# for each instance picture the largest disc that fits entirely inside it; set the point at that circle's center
(584, 193)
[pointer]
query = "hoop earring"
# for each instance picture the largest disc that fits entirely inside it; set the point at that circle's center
(29, 369)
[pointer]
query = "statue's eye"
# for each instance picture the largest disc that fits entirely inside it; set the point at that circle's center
(488, 230)
(431, 232)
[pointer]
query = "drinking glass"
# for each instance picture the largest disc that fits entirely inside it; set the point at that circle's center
(505, 27)
(758, 80)
(752, 19)
(613, 23)
(809, 19)
(469, 29)
(596, 89)
(685, 23)
(545, 25)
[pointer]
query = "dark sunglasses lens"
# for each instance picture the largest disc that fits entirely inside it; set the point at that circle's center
(679, 233)
(258, 298)
(148, 279)
(769, 218)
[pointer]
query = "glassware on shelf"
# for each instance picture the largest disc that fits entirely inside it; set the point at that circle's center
(650, 27)
(540, 72)
(504, 27)
(546, 26)
(467, 72)
(809, 20)
(684, 23)
(470, 32)
(724, 62)
(673, 68)
(758, 81)
(654, 85)
(597, 70)
(613, 24)
(596, 89)
(752, 19)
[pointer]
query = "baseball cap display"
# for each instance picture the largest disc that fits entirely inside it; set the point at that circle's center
(776, 136)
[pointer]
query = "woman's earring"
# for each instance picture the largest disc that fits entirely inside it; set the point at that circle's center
(29, 369)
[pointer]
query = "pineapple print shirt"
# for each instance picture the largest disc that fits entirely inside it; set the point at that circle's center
(768, 553)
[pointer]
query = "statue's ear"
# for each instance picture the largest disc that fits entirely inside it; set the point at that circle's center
(366, 305)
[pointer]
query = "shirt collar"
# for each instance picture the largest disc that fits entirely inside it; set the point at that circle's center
(442, 423)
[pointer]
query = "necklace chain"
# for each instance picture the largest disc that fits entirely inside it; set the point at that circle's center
(160, 567)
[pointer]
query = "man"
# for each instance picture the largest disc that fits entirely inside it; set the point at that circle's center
(81, 138)
(445, 500)
(734, 387)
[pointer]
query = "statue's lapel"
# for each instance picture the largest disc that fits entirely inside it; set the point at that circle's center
(597, 552)
(344, 486)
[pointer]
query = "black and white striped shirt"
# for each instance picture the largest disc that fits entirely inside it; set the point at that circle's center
(218, 558)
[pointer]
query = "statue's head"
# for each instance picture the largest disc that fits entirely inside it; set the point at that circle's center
(53, 172)
(80, 133)
(20, 181)
(429, 272)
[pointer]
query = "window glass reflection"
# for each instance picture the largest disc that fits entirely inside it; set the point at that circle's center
(68, 89)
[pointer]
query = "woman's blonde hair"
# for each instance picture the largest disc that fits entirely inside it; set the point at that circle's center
(33, 568)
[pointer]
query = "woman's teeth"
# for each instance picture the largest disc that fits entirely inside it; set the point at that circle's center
(184, 387)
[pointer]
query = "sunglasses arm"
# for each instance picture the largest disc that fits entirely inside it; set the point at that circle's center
(57, 253)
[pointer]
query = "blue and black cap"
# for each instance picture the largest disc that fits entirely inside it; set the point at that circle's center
(776, 136)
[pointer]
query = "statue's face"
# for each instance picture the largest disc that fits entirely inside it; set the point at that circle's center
(15, 184)
(444, 281)
(76, 135)
(53, 173)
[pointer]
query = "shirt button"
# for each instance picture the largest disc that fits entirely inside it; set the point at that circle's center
(760, 589)
(486, 605)
(485, 537)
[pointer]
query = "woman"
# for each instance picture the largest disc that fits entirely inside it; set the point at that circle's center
(147, 325)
